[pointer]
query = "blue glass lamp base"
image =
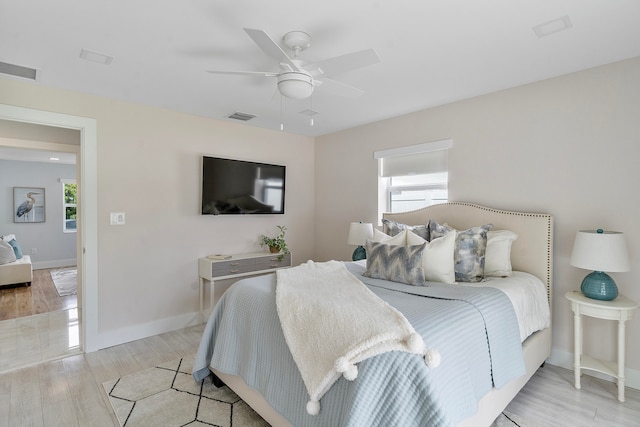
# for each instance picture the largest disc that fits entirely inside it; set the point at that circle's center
(599, 285)
(359, 254)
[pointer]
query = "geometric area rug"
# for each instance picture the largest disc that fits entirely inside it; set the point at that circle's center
(65, 281)
(168, 396)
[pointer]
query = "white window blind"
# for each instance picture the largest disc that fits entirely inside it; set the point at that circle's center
(414, 164)
(413, 177)
(430, 157)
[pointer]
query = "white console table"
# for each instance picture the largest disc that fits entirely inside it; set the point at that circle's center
(239, 265)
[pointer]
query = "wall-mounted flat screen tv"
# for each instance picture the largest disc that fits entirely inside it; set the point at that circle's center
(238, 187)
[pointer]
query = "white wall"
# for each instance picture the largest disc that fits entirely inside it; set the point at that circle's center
(569, 146)
(54, 248)
(149, 168)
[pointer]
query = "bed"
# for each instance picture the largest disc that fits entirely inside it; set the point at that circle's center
(261, 372)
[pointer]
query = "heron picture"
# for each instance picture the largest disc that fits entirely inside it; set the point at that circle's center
(28, 204)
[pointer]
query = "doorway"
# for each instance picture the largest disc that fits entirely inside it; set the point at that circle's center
(87, 256)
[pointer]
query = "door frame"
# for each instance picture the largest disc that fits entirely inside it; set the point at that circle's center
(88, 227)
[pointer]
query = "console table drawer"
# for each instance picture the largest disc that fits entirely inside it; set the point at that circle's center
(273, 262)
(223, 268)
(230, 269)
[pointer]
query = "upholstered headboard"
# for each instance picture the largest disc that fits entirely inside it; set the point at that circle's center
(532, 252)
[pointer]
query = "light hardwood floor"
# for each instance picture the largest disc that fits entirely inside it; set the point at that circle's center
(68, 392)
(40, 297)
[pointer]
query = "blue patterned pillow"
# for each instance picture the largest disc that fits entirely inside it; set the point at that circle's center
(392, 228)
(395, 263)
(470, 249)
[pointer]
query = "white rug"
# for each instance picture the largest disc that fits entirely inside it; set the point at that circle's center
(168, 396)
(65, 281)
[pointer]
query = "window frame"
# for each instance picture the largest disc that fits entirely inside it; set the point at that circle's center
(66, 205)
(390, 189)
(385, 188)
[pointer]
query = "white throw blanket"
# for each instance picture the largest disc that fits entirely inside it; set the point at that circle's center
(331, 321)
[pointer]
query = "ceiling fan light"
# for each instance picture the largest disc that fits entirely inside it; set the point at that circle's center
(295, 85)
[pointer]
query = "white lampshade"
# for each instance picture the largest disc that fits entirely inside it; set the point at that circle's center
(359, 233)
(600, 251)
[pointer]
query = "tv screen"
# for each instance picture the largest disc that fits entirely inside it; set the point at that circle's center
(237, 187)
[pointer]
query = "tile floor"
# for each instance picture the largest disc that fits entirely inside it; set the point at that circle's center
(26, 341)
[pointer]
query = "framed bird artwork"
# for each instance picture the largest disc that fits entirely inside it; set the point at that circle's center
(28, 204)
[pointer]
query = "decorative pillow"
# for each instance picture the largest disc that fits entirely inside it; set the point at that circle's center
(7, 254)
(437, 259)
(469, 251)
(392, 228)
(16, 248)
(395, 262)
(11, 239)
(497, 259)
(398, 239)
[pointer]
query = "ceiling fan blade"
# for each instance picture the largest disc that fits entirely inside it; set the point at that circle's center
(270, 47)
(338, 88)
(246, 73)
(350, 61)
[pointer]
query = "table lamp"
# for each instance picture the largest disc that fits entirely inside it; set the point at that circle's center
(601, 251)
(359, 233)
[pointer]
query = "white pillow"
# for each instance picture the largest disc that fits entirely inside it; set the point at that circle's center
(497, 259)
(399, 239)
(8, 237)
(437, 258)
(7, 254)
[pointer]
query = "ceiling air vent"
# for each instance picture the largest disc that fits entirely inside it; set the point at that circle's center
(241, 116)
(17, 71)
(308, 113)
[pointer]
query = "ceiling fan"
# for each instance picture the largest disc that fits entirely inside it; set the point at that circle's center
(296, 77)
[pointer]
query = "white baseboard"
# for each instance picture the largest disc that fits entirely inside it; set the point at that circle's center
(564, 359)
(145, 330)
(53, 264)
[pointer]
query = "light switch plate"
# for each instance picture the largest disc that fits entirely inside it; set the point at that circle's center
(117, 218)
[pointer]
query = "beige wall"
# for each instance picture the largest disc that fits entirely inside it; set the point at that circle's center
(569, 146)
(149, 168)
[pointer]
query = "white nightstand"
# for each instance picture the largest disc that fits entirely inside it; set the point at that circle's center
(620, 309)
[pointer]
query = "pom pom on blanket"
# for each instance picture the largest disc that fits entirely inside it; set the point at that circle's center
(348, 370)
(432, 358)
(313, 407)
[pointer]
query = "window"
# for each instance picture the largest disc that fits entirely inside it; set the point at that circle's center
(413, 177)
(69, 205)
(407, 193)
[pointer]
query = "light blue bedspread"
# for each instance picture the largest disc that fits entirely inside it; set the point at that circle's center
(474, 329)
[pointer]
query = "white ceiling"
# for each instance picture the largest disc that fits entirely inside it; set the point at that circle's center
(41, 156)
(25, 141)
(432, 51)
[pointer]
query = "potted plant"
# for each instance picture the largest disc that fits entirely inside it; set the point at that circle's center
(276, 244)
